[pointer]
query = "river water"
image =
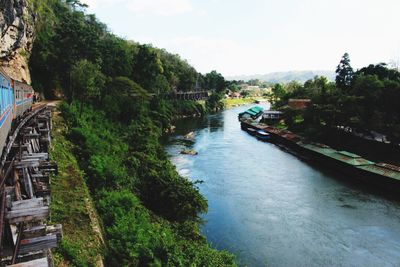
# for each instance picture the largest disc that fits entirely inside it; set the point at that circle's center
(272, 209)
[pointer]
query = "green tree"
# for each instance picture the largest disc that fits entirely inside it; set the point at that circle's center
(344, 72)
(278, 92)
(214, 102)
(87, 81)
(215, 81)
(147, 66)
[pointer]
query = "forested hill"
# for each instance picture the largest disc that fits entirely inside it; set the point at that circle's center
(67, 35)
(286, 76)
(115, 111)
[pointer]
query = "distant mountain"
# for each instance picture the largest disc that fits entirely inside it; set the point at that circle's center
(286, 76)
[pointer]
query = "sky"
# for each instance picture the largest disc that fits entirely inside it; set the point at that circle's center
(244, 37)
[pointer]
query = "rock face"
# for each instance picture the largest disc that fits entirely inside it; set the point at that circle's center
(17, 30)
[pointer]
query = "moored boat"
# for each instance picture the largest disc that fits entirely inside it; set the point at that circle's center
(263, 135)
(251, 131)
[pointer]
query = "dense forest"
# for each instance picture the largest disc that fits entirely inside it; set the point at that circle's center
(364, 100)
(70, 41)
(116, 109)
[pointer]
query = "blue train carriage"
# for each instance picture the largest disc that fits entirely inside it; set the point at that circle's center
(6, 107)
(23, 98)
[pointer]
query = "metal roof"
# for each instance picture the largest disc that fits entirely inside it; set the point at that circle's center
(348, 154)
(355, 161)
(254, 111)
(381, 170)
(342, 156)
(317, 148)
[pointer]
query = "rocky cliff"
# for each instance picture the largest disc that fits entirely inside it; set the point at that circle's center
(17, 22)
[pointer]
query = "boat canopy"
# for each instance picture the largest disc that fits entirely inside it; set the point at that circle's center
(253, 112)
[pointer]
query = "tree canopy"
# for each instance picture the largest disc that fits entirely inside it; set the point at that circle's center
(344, 72)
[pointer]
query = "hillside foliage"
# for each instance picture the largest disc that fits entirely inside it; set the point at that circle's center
(364, 100)
(116, 109)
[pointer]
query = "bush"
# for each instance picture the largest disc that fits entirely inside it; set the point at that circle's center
(134, 238)
(150, 213)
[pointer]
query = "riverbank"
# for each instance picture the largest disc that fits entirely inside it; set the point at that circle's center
(236, 102)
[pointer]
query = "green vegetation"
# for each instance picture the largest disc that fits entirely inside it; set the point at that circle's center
(72, 206)
(364, 100)
(117, 106)
(149, 213)
(232, 102)
(68, 40)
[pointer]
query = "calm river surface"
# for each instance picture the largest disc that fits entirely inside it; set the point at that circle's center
(272, 209)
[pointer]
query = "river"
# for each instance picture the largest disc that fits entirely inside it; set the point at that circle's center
(272, 209)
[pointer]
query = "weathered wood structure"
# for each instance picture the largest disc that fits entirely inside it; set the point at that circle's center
(25, 169)
(192, 95)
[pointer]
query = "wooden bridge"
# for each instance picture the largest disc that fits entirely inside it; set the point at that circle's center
(191, 95)
(25, 169)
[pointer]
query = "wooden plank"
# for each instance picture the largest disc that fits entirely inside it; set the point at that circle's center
(27, 204)
(55, 229)
(17, 243)
(31, 135)
(43, 262)
(43, 192)
(27, 163)
(17, 185)
(36, 156)
(38, 243)
(28, 215)
(42, 230)
(8, 201)
(35, 231)
(39, 175)
(28, 183)
(40, 178)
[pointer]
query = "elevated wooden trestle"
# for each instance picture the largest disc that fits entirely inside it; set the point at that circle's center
(25, 171)
(191, 95)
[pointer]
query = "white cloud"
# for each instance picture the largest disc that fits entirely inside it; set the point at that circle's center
(306, 39)
(206, 54)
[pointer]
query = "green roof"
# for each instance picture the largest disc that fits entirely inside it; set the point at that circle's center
(257, 109)
(342, 156)
(381, 170)
(254, 111)
(320, 149)
(348, 154)
(355, 161)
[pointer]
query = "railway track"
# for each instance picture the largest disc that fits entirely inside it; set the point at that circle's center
(25, 173)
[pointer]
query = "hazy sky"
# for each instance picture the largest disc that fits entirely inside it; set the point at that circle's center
(260, 36)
